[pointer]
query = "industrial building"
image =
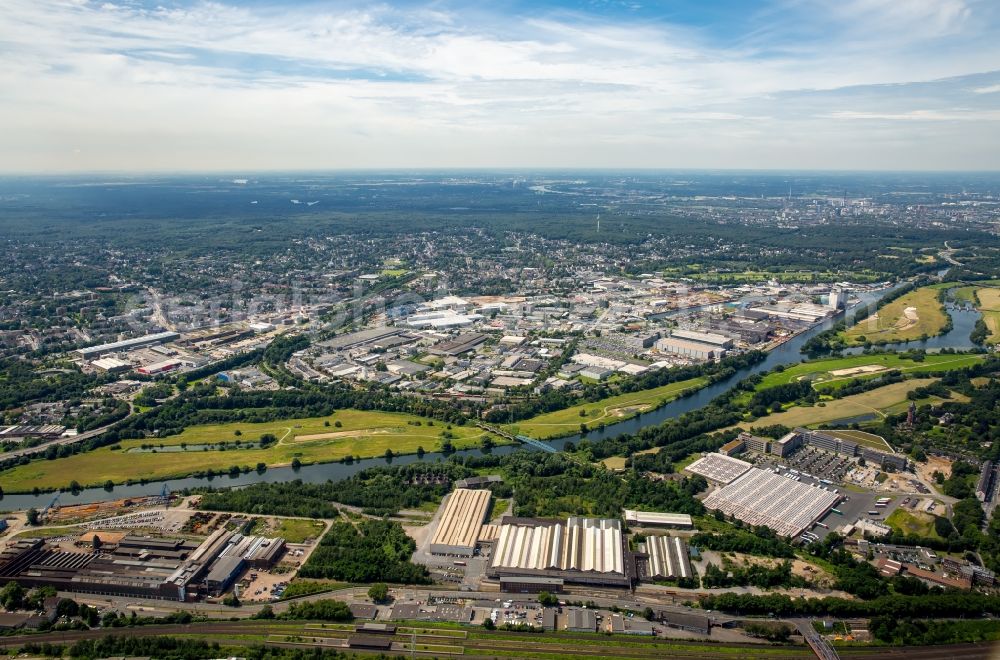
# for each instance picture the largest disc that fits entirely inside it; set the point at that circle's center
(666, 557)
(21, 432)
(360, 338)
(531, 585)
(623, 625)
(577, 550)
(580, 620)
(719, 468)
(442, 320)
(110, 365)
(461, 521)
(711, 338)
(159, 367)
(656, 519)
(458, 345)
(761, 497)
(144, 567)
(93, 352)
(691, 349)
(683, 621)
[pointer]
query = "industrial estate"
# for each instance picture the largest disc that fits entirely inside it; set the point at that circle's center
(643, 444)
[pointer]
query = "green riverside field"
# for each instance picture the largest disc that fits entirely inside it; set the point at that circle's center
(362, 433)
(893, 323)
(605, 411)
(833, 373)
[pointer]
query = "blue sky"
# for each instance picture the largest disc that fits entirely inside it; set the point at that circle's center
(267, 85)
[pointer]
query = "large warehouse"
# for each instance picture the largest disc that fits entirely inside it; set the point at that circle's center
(761, 497)
(667, 558)
(657, 519)
(126, 344)
(581, 550)
(461, 521)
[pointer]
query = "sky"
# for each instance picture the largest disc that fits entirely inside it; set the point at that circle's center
(190, 85)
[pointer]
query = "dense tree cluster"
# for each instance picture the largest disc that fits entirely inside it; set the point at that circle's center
(934, 605)
(369, 551)
(378, 491)
(553, 485)
(319, 610)
(916, 632)
(754, 575)
(23, 383)
(756, 541)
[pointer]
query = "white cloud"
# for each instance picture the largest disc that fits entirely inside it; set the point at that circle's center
(218, 85)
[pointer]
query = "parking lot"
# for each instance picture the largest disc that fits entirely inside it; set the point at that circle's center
(820, 464)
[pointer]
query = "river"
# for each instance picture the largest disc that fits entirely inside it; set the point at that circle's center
(787, 353)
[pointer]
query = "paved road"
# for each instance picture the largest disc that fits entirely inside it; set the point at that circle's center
(819, 645)
(73, 439)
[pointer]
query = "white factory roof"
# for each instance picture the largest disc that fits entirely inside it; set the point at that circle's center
(445, 303)
(702, 337)
(579, 544)
(719, 468)
(597, 361)
(656, 518)
(685, 344)
(439, 320)
(110, 363)
(761, 497)
(128, 343)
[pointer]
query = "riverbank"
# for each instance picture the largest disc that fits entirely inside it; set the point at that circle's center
(353, 434)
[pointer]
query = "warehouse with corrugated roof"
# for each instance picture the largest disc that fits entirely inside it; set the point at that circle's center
(461, 523)
(581, 550)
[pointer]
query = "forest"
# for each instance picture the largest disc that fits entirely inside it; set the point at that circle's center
(366, 551)
(377, 491)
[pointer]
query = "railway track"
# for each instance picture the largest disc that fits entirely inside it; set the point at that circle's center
(503, 645)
